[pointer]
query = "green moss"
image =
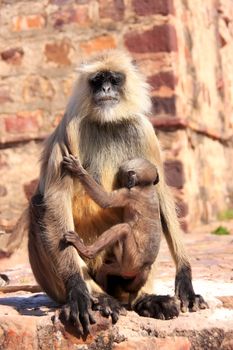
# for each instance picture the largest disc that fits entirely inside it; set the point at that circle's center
(221, 231)
(226, 214)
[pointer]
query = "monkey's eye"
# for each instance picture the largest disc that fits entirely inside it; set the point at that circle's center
(96, 81)
(117, 79)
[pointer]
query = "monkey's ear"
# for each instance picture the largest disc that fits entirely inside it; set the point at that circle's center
(156, 180)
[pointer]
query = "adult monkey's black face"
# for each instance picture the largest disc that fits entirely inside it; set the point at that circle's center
(106, 87)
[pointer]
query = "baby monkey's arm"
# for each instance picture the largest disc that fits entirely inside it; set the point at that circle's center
(118, 198)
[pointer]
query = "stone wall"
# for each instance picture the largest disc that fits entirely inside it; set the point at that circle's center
(185, 49)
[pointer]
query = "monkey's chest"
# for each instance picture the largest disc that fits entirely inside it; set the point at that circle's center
(102, 149)
(89, 219)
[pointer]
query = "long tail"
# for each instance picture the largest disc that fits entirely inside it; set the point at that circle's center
(18, 233)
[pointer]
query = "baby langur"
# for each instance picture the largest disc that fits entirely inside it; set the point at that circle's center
(135, 242)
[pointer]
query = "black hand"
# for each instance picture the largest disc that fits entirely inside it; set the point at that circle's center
(108, 306)
(184, 291)
(162, 307)
(77, 308)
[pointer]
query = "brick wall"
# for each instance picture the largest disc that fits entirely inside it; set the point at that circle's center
(183, 47)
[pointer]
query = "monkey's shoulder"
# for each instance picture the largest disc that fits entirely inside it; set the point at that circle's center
(143, 194)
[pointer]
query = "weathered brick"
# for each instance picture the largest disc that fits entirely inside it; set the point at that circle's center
(13, 55)
(112, 9)
(168, 123)
(152, 343)
(30, 22)
(148, 7)
(65, 2)
(227, 343)
(161, 38)
(184, 226)
(182, 207)
(78, 15)
(3, 161)
(5, 95)
(174, 173)
(36, 87)
(23, 122)
(162, 79)
(3, 191)
(58, 52)
(164, 105)
(97, 44)
(67, 86)
(61, 2)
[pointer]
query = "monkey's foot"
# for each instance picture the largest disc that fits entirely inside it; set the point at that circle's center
(184, 291)
(162, 307)
(192, 303)
(79, 302)
(108, 306)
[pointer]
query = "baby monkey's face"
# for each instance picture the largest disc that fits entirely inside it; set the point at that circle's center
(138, 172)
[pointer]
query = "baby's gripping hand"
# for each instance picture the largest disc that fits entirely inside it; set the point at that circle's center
(73, 165)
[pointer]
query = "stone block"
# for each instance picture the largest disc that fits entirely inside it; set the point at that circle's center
(149, 7)
(160, 38)
(174, 173)
(181, 205)
(5, 95)
(19, 166)
(3, 191)
(61, 2)
(13, 55)
(171, 343)
(112, 9)
(162, 79)
(98, 44)
(30, 22)
(164, 105)
(58, 52)
(78, 15)
(23, 122)
(37, 87)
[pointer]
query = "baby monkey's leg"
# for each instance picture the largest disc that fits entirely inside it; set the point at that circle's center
(107, 239)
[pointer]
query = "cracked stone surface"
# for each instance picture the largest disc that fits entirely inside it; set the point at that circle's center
(30, 321)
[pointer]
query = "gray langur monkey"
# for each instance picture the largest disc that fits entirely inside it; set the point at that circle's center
(104, 125)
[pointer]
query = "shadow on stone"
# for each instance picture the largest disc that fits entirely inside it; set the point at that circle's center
(37, 305)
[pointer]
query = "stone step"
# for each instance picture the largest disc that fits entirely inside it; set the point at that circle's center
(30, 321)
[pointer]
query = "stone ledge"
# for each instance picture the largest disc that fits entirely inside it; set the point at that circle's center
(30, 321)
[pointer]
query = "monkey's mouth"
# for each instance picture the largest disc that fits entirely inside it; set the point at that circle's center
(129, 275)
(107, 100)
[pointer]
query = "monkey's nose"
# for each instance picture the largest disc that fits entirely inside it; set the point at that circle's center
(106, 88)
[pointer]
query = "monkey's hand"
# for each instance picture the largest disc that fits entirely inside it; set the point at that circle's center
(162, 307)
(108, 306)
(79, 302)
(73, 237)
(73, 165)
(184, 291)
